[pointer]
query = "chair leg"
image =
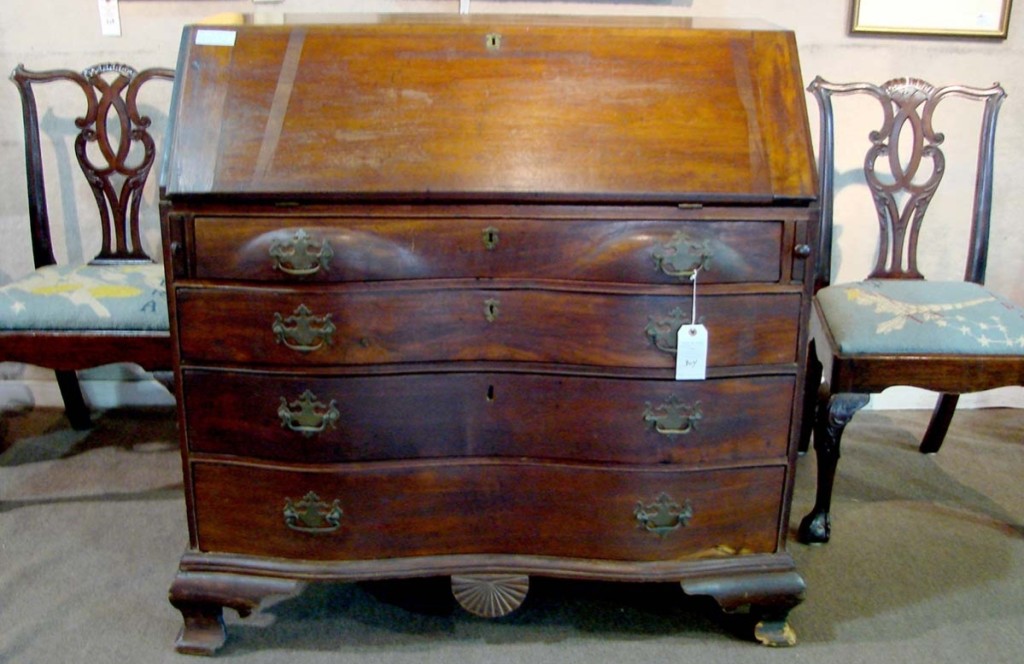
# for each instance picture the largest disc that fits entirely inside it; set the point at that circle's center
(834, 413)
(939, 425)
(812, 384)
(74, 403)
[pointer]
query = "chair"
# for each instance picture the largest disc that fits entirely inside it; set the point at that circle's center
(895, 328)
(114, 308)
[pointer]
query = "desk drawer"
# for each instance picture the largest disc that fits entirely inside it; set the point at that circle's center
(362, 326)
(485, 507)
(352, 249)
(328, 420)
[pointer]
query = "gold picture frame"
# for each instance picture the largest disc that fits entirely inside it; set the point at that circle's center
(947, 18)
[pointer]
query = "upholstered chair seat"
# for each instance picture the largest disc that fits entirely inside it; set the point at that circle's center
(87, 297)
(885, 316)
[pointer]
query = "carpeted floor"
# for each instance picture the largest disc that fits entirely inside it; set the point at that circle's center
(926, 565)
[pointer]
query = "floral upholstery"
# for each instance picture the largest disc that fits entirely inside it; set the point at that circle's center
(87, 297)
(900, 316)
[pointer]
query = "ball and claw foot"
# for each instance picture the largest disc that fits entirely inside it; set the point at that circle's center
(816, 528)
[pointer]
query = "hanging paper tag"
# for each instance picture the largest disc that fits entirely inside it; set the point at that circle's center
(692, 352)
(110, 18)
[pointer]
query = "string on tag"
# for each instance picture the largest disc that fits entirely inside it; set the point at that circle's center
(693, 309)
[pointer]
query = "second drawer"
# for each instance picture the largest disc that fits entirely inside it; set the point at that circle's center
(364, 326)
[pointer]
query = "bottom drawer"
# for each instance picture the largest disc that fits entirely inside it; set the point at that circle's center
(389, 510)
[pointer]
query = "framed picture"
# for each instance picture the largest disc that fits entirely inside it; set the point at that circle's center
(955, 18)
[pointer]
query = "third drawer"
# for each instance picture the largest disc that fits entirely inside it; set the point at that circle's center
(323, 419)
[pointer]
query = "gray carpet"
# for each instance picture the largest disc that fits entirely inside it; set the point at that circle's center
(926, 565)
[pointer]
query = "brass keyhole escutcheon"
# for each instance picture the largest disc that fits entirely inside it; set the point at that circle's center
(492, 41)
(491, 310)
(490, 238)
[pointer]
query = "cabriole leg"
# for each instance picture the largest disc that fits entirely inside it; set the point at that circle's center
(834, 413)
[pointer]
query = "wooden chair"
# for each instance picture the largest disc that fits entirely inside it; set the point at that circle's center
(113, 309)
(895, 328)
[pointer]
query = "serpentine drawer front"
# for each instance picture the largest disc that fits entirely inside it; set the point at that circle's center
(388, 324)
(321, 419)
(395, 510)
(430, 281)
(313, 248)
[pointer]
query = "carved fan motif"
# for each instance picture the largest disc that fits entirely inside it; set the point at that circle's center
(490, 595)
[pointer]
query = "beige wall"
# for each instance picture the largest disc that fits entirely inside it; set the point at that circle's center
(65, 33)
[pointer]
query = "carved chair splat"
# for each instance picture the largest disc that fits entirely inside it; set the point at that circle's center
(112, 309)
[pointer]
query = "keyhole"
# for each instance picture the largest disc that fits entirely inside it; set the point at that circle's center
(491, 310)
(490, 393)
(490, 238)
(493, 41)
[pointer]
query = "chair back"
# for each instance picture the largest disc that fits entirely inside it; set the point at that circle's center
(903, 167)
(113, 147)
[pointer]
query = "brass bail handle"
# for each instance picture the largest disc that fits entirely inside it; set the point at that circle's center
(312, 515)
(682, 256)
(663, 516)
(301, 256)
(307, 415)
(673, 417)
(302, 331)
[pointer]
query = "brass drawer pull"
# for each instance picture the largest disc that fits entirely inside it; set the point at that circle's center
(302, 331)
(301, 256)
(682, 256)
(306, 415)
(312, 515)
(663, 516)
(664, 332)
(673, 418)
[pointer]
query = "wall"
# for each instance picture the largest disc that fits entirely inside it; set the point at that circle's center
(31, 34)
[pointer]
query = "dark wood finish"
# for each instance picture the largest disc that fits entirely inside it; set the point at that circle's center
(408, 509)
(405, 324)
(905, 143)
(116, 165)
(622, 251)
(428, 415)
(379, 134)
(513, 209)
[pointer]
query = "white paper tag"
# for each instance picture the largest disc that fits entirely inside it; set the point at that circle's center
(207, 37)
(692, 352)
(110, 18)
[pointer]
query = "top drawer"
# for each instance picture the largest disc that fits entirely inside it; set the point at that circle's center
(338, 249)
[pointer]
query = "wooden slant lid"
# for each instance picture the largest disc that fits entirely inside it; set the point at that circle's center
(487, 108)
